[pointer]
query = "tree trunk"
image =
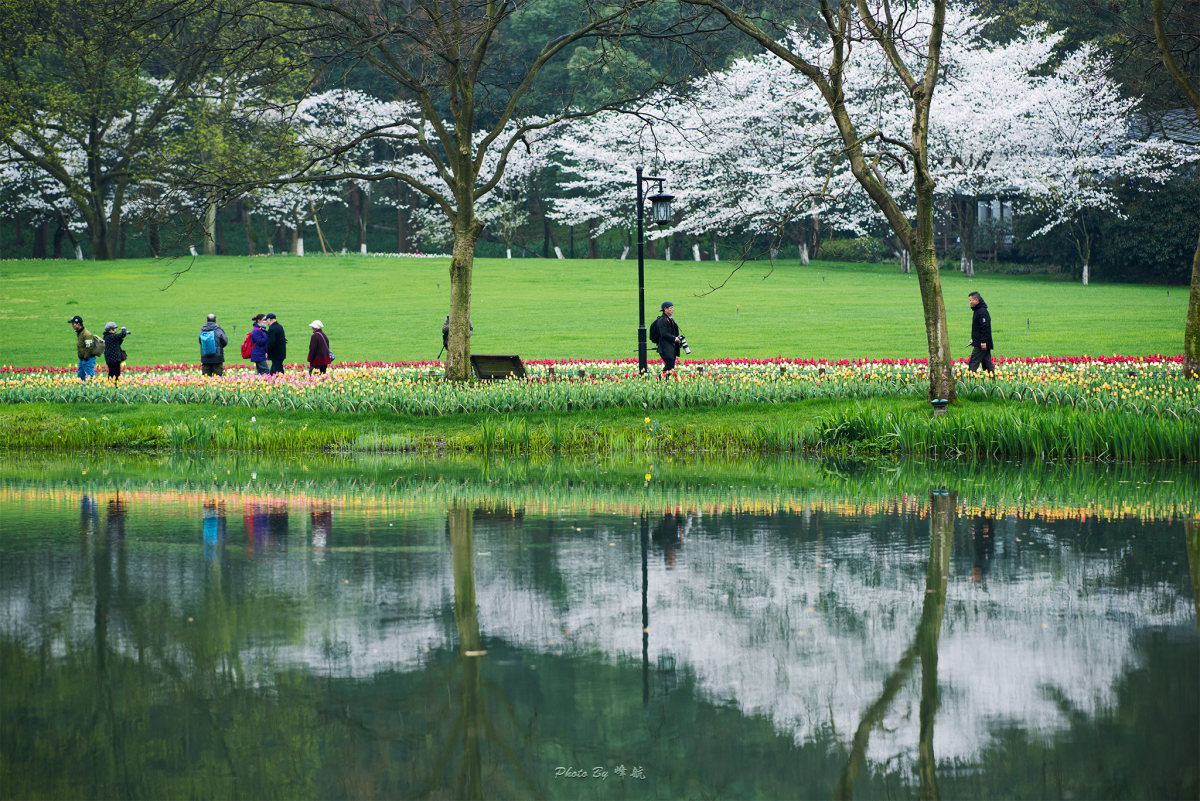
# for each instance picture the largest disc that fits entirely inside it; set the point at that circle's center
(59, 234)
(593, 240)
(210, 229)
(19, 229)
(152, 239)
(1191, 332)
(968, 219)
(804, 253)
(98, 233)
(248, 226)
(941, 361)
(39, 240)
(403, 245)
(462, 263)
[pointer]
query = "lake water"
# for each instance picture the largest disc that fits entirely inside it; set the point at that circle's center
(375, 628)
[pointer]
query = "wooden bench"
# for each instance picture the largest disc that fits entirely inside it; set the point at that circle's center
(489, 367)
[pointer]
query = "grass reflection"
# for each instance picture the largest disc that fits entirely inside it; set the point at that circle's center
(1043, 490)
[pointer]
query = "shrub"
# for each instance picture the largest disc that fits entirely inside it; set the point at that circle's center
(863, 248)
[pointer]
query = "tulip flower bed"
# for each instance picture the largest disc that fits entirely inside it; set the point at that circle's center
(1143, 385)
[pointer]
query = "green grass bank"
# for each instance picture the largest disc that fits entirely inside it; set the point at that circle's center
(866, 427)
(391, 309)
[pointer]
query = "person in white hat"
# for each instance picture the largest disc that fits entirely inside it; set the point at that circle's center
(319, 355)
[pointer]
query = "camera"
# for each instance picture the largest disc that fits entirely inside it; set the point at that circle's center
(684, 345)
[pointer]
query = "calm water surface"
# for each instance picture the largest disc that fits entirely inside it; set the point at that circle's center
(209, 631)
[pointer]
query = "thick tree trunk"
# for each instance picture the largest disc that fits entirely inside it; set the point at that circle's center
(593, 240)
(1191, 332)
(462, 263)
(941, 362)
(59, 235)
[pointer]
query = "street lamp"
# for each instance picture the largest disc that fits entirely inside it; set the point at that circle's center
(660, 213)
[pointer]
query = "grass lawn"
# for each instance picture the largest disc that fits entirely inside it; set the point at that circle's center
(390, 309)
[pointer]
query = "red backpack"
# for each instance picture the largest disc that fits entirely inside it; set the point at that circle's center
(247, 347)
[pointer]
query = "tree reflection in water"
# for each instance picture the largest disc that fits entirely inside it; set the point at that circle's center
(942, 513)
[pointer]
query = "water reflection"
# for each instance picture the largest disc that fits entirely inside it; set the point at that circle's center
(435, 644)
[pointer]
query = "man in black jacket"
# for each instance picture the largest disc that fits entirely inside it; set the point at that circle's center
(276, 343)
(981, 335)
(664, 333)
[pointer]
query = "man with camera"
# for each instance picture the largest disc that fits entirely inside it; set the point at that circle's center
(664, 333)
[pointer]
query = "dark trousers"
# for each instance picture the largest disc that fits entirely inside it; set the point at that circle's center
(114, 370)
(979, 356)
(262, 368)
(276, 366)
(212, 369)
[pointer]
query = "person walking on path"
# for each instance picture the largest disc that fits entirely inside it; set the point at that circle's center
(276, 343)
(664, 333)
(319, 355)
(87, 347)
(258, 345)
(212, 347)
(114, 350)
(981, 335)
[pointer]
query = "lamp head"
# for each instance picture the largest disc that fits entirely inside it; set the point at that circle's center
(660, 207)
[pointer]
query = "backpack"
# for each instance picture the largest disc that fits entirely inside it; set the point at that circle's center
(97, 346)
(208, 343)
(247, 347)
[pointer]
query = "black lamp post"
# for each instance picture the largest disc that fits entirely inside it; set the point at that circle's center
(660, 213)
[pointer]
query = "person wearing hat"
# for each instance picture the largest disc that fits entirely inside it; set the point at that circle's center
(114, 353)
(276, 343)
(319, 355)
(664, 333)
(87, 347)
(212, 363)
(258, 344)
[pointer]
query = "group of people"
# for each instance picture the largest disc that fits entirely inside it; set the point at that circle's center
(265, 345)
(88, 347)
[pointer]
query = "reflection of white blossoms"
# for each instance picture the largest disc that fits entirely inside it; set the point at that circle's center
(796, 618)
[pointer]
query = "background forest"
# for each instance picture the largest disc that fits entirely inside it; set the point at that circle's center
(1057, 140)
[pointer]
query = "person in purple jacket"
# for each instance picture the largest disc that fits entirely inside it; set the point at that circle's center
(258, 339)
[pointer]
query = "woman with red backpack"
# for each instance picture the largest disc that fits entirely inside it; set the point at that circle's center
(257, 341)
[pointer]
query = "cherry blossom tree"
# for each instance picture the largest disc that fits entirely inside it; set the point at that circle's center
(907, 37)
(1079, 142)
(446, 57)
(979, 123)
